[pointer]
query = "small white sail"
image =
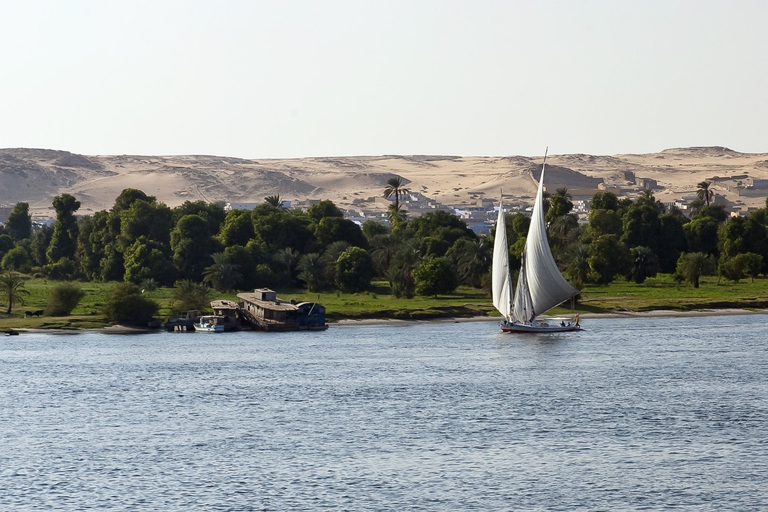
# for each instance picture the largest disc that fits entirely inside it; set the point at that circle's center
(501, 288)
(540, 280)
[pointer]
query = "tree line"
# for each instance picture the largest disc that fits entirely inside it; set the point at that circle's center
(146, 243)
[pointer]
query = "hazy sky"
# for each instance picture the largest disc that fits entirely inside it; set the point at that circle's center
(258, 79)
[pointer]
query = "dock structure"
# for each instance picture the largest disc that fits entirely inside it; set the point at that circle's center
(266, 311)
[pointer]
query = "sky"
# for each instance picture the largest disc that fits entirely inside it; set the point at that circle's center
(300, 78)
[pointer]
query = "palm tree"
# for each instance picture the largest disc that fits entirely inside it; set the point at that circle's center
(396, 215)
(395, 187)
(703, 193)
(644, 264)
(693, 265)
(12, 288)
(578, 264)
(287, 257)
(188, 295)
(312, 269)
(222, 274)
(274, 201)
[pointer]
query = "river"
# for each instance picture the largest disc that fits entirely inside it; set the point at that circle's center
(630, 414)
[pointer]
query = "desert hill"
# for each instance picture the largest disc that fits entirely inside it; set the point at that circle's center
(37, 175)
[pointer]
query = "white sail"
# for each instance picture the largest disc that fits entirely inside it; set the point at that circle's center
(540, 279)
(500, 280)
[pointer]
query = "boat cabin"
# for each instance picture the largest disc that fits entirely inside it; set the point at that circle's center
(266, 311)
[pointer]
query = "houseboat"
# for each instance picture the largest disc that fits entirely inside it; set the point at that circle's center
(265, 311)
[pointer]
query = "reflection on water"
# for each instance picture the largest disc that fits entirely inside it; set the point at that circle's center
(629, 414)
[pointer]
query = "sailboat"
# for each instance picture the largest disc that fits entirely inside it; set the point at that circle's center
(540, 285)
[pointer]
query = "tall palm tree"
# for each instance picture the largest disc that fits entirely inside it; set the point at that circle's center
(395, 187)
(703, 193)
(12, 288)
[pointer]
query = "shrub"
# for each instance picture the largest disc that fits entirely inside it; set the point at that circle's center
(62, 270)
(63, 299)
(127, 306)
(354, 270)
(435, 276)
(17, 259)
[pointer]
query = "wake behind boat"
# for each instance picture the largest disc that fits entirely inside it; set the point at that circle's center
(540, 285)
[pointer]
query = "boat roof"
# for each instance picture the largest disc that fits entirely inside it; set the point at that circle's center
(274, 305)
(224, 304)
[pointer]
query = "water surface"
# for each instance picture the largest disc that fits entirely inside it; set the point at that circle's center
(630, 414)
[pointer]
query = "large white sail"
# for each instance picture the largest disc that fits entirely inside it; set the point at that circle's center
(500, 280)
(540, 279)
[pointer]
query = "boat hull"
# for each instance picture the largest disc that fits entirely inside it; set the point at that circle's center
(538, 329)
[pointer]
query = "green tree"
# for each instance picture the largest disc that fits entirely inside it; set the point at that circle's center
(396, 216)
(395, 187)
(323, 209)
(334, 229)
(604, 201)
(472, 259)
(274, 201)
(237, 228)
(146, 259)
(645, 264)
(435, 276)
(608, 257)
(691, 266)
(62, 270)
(371, 229)
(19, 223)
(672, 240)
(64, 238)
(560, 205)
(13, 289)
(223, 275)
(701, 235)
(578, 264)
(40, 242)
(6, 244)
(17, 259)
(151, 220)
(188, 295)
(354, 270)
(128, 196)
(125, 305)
(286, 259)
(192, 244)
(278, 229)
(63, 298)
(704, 193)
(312, 271)
(401, 269)
(213, 213)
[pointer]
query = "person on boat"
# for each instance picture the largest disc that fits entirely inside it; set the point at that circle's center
(533, 316)
(577, 321)
(562, 324)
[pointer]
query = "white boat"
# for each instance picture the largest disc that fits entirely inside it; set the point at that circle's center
(540, 285)
(210, 323)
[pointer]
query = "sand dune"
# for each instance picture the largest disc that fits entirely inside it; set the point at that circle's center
(36, 176)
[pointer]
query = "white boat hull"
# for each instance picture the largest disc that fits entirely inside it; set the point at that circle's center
(540, 328)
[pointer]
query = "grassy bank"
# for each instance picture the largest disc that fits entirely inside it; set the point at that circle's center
(661, 293)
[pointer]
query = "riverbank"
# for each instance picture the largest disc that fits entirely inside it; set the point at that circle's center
(613, 314)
